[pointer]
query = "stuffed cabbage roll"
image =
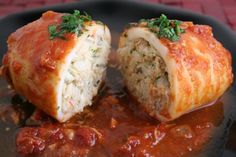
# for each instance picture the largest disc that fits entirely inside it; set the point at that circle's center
(58, 62)
(173, 67)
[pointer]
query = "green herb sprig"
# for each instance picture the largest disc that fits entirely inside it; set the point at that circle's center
(164, 27)
(71, 23)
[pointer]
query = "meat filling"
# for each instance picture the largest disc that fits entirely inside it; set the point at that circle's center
(146, 75)
(85, 74)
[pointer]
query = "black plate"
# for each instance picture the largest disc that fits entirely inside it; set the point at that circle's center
(116, 14)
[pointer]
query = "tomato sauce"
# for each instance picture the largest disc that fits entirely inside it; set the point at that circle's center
(115, 126)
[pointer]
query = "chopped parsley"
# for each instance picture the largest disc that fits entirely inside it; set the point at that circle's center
(164, 27)
(71, 23)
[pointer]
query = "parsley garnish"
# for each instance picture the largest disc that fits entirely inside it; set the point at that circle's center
(71, 23)
(164, 27)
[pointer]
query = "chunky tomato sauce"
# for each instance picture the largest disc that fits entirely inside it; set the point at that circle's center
(115, 126)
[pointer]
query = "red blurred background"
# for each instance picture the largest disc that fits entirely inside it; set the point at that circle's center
(223, 10)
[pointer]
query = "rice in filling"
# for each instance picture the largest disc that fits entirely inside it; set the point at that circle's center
(85, 74)
(145, 75)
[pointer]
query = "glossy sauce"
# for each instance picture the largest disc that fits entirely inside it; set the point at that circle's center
(115, 126)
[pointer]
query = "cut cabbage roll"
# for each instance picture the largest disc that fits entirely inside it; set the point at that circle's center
(58, 62)
(172, 67)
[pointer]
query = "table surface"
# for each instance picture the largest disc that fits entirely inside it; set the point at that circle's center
(223, 10)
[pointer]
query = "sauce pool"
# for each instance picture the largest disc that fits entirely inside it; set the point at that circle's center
(113, 126)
